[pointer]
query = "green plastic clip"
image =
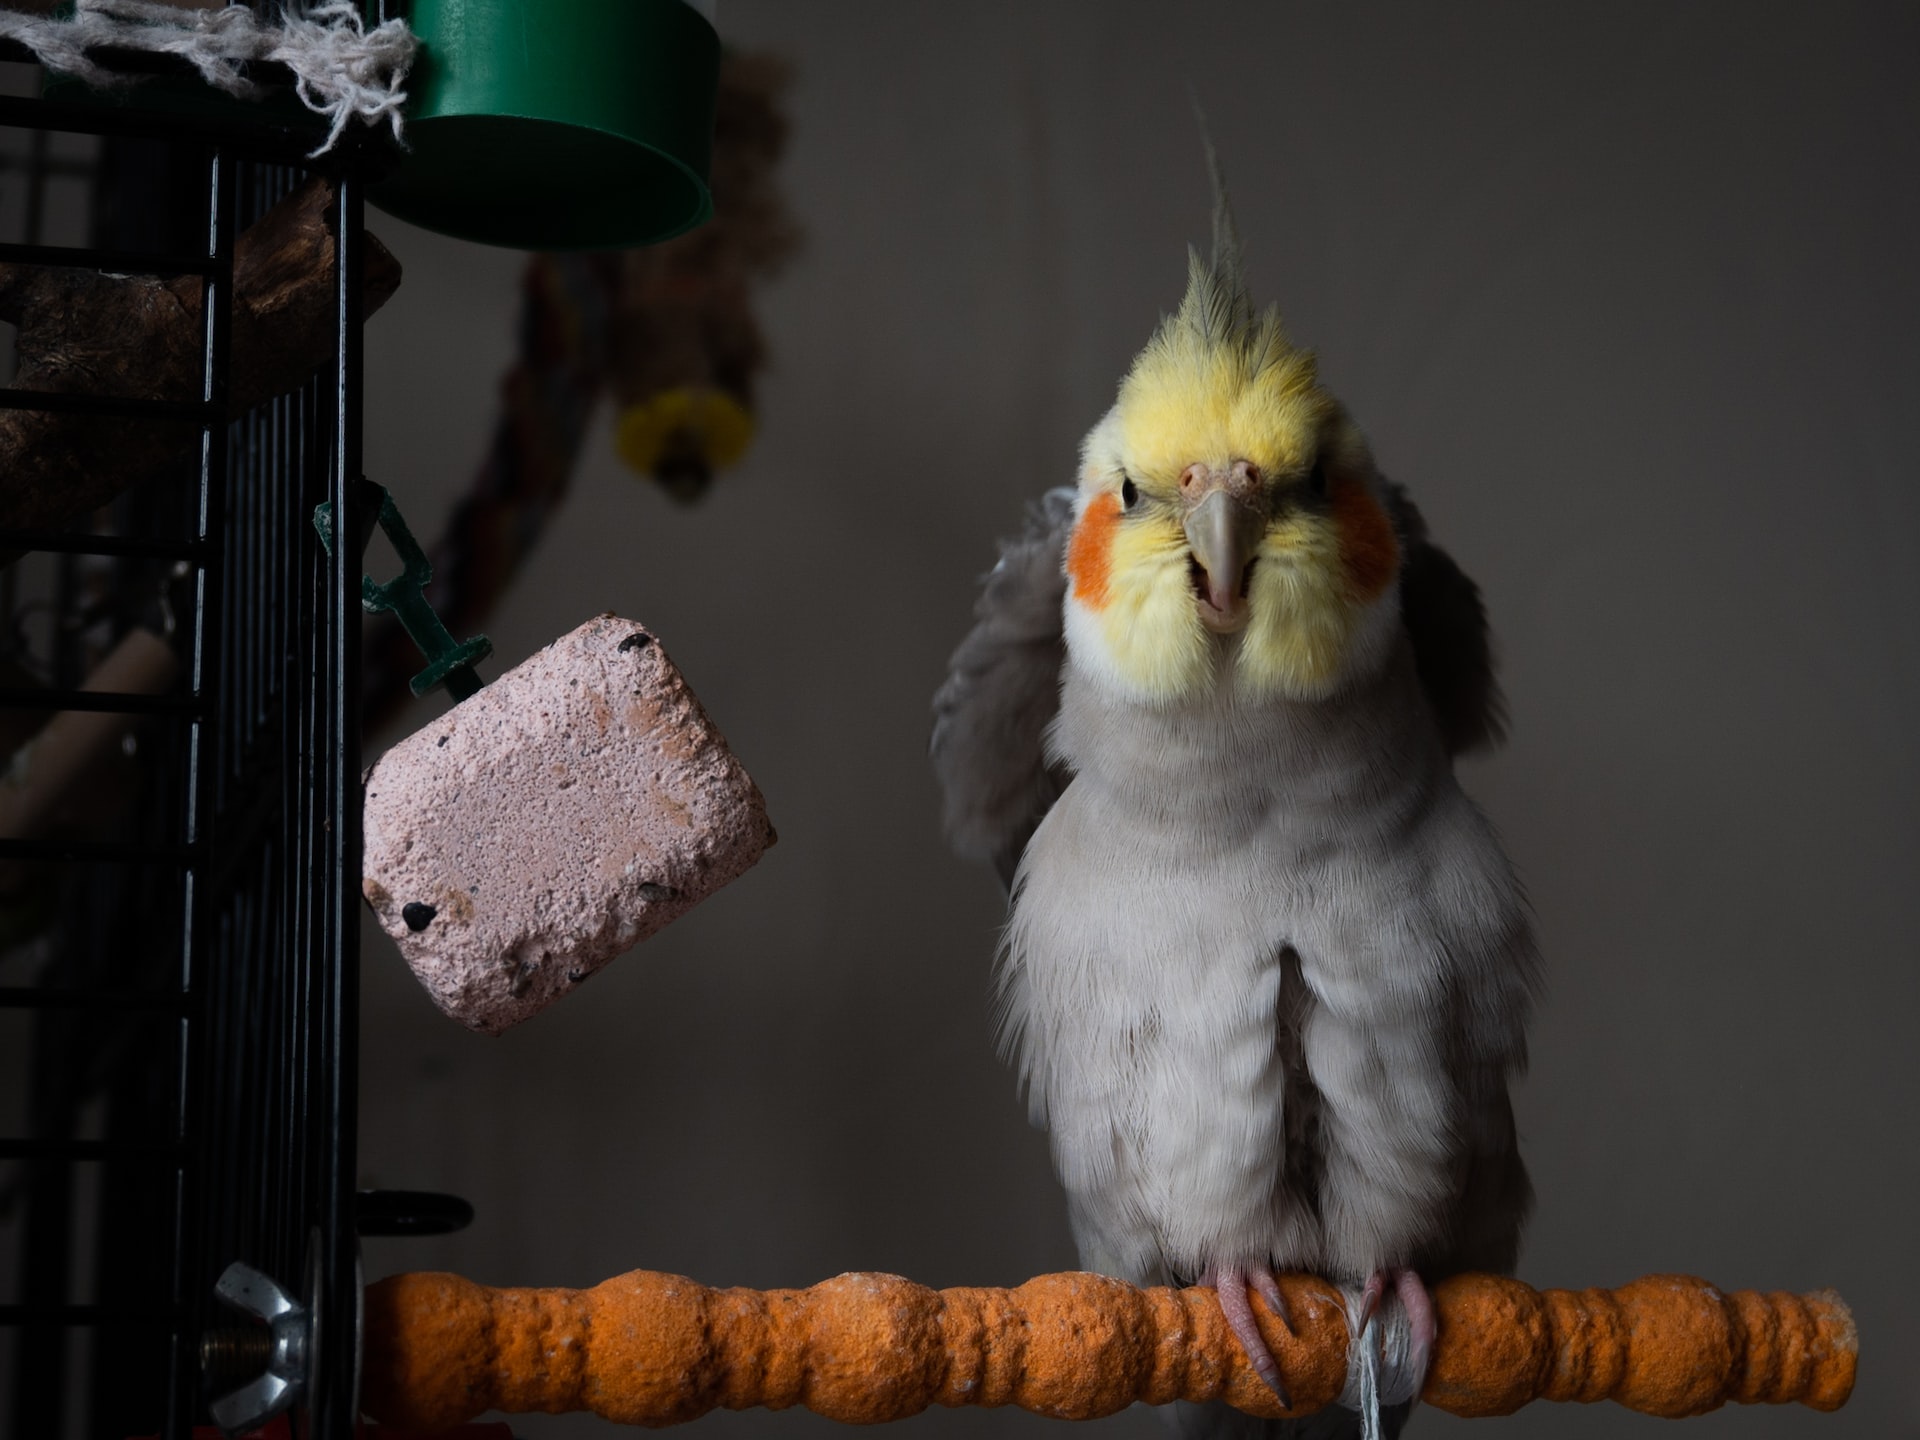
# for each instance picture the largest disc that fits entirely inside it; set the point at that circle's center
(450, 662)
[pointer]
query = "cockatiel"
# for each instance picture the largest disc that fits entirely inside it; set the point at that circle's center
(1267, 971)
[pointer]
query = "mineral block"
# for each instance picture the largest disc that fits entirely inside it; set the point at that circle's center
(553, 821)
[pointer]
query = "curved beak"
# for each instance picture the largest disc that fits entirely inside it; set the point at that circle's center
(1225, 533)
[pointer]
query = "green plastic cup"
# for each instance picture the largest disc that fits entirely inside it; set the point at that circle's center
(585, 125)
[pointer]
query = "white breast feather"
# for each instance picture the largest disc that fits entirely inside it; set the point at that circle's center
(1142, 976)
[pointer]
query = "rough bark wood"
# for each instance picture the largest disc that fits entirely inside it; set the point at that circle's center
(129, 336)
(651, 1349)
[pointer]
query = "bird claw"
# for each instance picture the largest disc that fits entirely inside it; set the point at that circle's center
(1414, 1300)
(1230, 1283)
(1370, 1297)
(1268, 1289)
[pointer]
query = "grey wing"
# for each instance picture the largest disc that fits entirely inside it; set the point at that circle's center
(1453, 651)
(1447, 623)
(1002, 691)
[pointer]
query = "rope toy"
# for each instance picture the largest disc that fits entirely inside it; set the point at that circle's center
(341, 69)
(652, 1349)
(637, 325)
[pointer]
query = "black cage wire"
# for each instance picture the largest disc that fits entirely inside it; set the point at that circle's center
(178, 957)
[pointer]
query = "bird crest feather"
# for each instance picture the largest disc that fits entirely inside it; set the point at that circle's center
(1225, 366)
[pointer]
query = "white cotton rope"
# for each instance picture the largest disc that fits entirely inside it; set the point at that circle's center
(341, 69)
(1379, 1360)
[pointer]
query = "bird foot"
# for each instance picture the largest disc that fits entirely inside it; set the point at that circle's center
(1418, 1305)
(1231, 1283)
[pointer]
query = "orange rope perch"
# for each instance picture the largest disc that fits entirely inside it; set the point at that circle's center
(651, 1349)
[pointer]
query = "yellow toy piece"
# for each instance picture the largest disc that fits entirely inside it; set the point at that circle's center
(711, 423)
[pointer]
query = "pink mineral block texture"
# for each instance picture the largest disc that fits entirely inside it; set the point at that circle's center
(553, 821)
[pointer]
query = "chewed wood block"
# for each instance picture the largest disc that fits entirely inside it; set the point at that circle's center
(553, 821)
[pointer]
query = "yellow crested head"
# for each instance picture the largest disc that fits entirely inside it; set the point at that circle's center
(1230, 514)
(1219, 383)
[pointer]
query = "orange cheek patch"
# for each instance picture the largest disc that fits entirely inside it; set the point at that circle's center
(1368, 550)
(1090, 551)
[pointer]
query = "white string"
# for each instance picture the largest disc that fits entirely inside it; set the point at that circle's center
(1379, 1360)
(341, 69)
(1369, 1406)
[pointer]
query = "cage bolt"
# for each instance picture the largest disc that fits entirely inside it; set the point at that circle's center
(235, 1355)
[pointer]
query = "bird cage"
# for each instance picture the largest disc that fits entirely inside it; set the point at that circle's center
(178, 907)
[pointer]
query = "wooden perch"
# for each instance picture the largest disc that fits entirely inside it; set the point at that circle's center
(85, 332)
(651, 1349)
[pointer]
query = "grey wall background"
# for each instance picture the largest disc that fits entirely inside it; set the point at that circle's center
(1626, 293)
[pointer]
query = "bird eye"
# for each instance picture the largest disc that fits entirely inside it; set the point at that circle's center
(1129, 492)
(1317, 477)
